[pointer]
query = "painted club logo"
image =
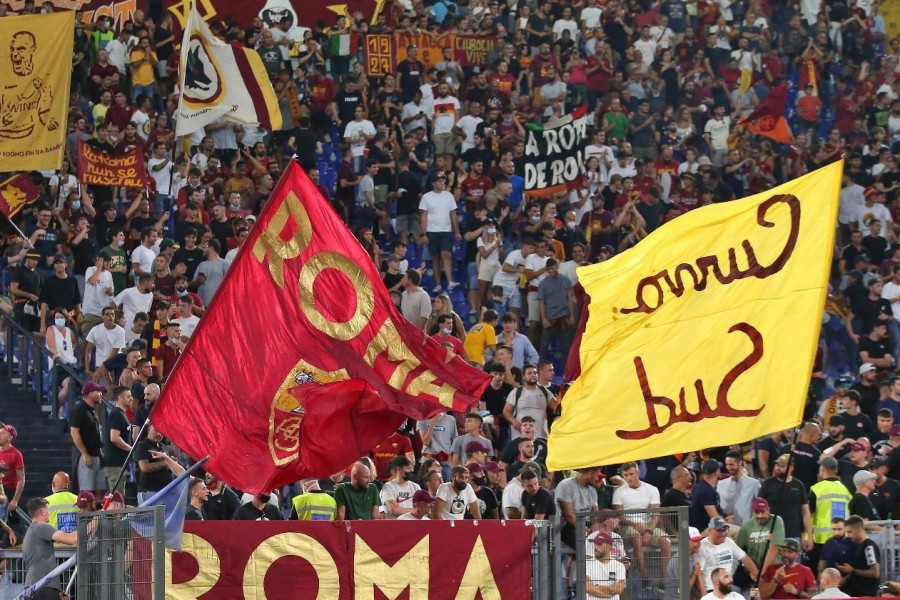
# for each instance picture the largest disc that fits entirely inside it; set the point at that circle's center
(203, 81)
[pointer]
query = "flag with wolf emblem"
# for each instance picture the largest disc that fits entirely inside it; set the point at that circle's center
(221, 80)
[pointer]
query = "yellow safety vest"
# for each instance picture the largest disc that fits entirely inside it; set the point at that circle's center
(315, 506)
(63, 512)
(832, 499)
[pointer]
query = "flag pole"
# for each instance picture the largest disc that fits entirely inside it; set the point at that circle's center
(30, 591)
(108, 498)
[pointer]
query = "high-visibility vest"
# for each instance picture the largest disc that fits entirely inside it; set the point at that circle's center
(63, 512)
(315, 506)
(832, 499)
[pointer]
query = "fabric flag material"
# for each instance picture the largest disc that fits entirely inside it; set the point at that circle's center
(344, 44)
(101, 168)
(554, 153)
(220, 80)
(704, 334)
(34, 96)
(323, 366)
(768, 118)
(15, 193)
(175, 501)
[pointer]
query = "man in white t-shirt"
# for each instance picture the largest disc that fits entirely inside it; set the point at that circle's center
(188, 320)
(873, 208)
(590, 16)
(566, 22)
(718, 551)
(440, 229)
(98, 291)
(358, 133)
(605, 575)
(454, 496)
(722, 586)
(445, 115)
(641, 528)
(716, 134)
(423, 504)
(108, 338)
(646, 46)
(397, 493)
(466, 126)
(133, 300)
(143, 256)
(508, 276)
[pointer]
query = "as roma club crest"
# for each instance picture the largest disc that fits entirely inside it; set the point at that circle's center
(203, 81)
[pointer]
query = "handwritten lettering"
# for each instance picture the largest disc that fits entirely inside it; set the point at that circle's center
(650, 294)
(681, 413)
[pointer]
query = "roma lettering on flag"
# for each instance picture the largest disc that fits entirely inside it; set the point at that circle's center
(15, 193)
(554, 153)
(302, 363)
(704, 334)
(34, 94)
(96, 167)
(221, 80)
(768, 118)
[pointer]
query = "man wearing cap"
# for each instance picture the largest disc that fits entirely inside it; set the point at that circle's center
(886, 495)
(790, 579)
(62, 502)
(835, 436)
(25, 289)
(737, 492)
(397, 492)
(862, 571)
(705, 499)
(861, 503)
(422, 506)
(488, 505)
(537, 502)
(720, 551)
(789, 499)
(828, 498)
(59, 291)
(757, 536)
(37, 548)
(471, 442)
(605, 575)
(857, 460)
(85, 431)
(12, 473)
(86, 502)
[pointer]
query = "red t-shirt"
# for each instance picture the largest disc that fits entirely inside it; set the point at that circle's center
(797, 575)
(12, 459)
(450, 339)
(476, 187)
(388, 450)
(806, 108)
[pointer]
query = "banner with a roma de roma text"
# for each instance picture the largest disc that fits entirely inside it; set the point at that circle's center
(554, 153)
(704, 334)
(341, 560)
(34, 91)
(96, 167)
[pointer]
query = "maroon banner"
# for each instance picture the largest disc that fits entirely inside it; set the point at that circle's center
(341, 560)
(322, 366)
(15, 193)
(96, 167)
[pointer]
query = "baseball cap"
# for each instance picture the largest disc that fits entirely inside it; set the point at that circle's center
(474, 467)
(843, 381)
(759, 504)
(836, 420)
(91, 386)
(423, 496)
(59, 258)
(85, 500)
(694, 534)
(9, 428)
(168, 243)
(704, 161)
(866, 367)
(830, 463)
(718, 523)
(603, 537)
(33, 254)
(790, 545)
(862, 476)
(710, 466)
(475, 446)
(857, 446)
(117, 497)
(492, 466)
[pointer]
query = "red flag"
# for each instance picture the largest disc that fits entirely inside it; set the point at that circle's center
(97, 167)
(302, 363)
(15, 193)
(768, 118)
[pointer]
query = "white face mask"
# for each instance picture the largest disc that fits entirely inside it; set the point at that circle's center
(571, 224)
(446, 331)
(491, 230)
(59, 322)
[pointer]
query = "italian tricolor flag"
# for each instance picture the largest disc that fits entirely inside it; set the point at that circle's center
(344, 44)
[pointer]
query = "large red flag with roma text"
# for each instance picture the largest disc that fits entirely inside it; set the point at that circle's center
(768, 118)
(302, 363)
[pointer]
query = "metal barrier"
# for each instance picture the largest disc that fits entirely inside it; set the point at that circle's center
(544, 561)
(651, 547)
(888, 541)
(13, 581)
(121, 554)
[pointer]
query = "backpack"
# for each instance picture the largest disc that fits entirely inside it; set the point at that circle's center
(519, 389)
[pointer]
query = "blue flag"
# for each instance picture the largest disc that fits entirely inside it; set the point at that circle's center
(174, 498)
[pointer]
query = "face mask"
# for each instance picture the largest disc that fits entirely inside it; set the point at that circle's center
(491, 230)
(535, 218)
(76, 205)
(446, 331)
(264, 498)
(59, 322)
(120, 243)
(571, 224)
(181, 292)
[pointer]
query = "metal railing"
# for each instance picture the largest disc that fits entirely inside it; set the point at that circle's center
(12, 583)
(888, 541)
(30, 365)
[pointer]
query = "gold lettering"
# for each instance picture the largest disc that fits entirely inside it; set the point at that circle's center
(410, 571)
(478, 577)
(365, 296)
(273, 548)
(208, 573)
(271, 243)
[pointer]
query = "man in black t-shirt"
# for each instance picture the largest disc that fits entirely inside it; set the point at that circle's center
(84, 428)
(25, 290)
(886, 495)
(409, 73)
(788, 498)
(680, 492)
(59, 291)
(537, 502)
(117, 438)
(863, 571)
(153, 471)
(866, 394)
(874, 348)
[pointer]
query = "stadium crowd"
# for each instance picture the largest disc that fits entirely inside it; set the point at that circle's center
(425, 166)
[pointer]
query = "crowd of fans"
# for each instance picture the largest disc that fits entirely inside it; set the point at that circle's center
(425, 166)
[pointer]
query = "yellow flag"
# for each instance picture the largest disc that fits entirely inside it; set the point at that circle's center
(704, 334)
(36, 62)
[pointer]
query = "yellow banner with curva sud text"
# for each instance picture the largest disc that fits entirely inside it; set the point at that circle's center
(36, 62)
(704, 334)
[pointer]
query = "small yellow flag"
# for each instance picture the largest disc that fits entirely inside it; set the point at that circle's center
(36, 62)
(705, 333)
